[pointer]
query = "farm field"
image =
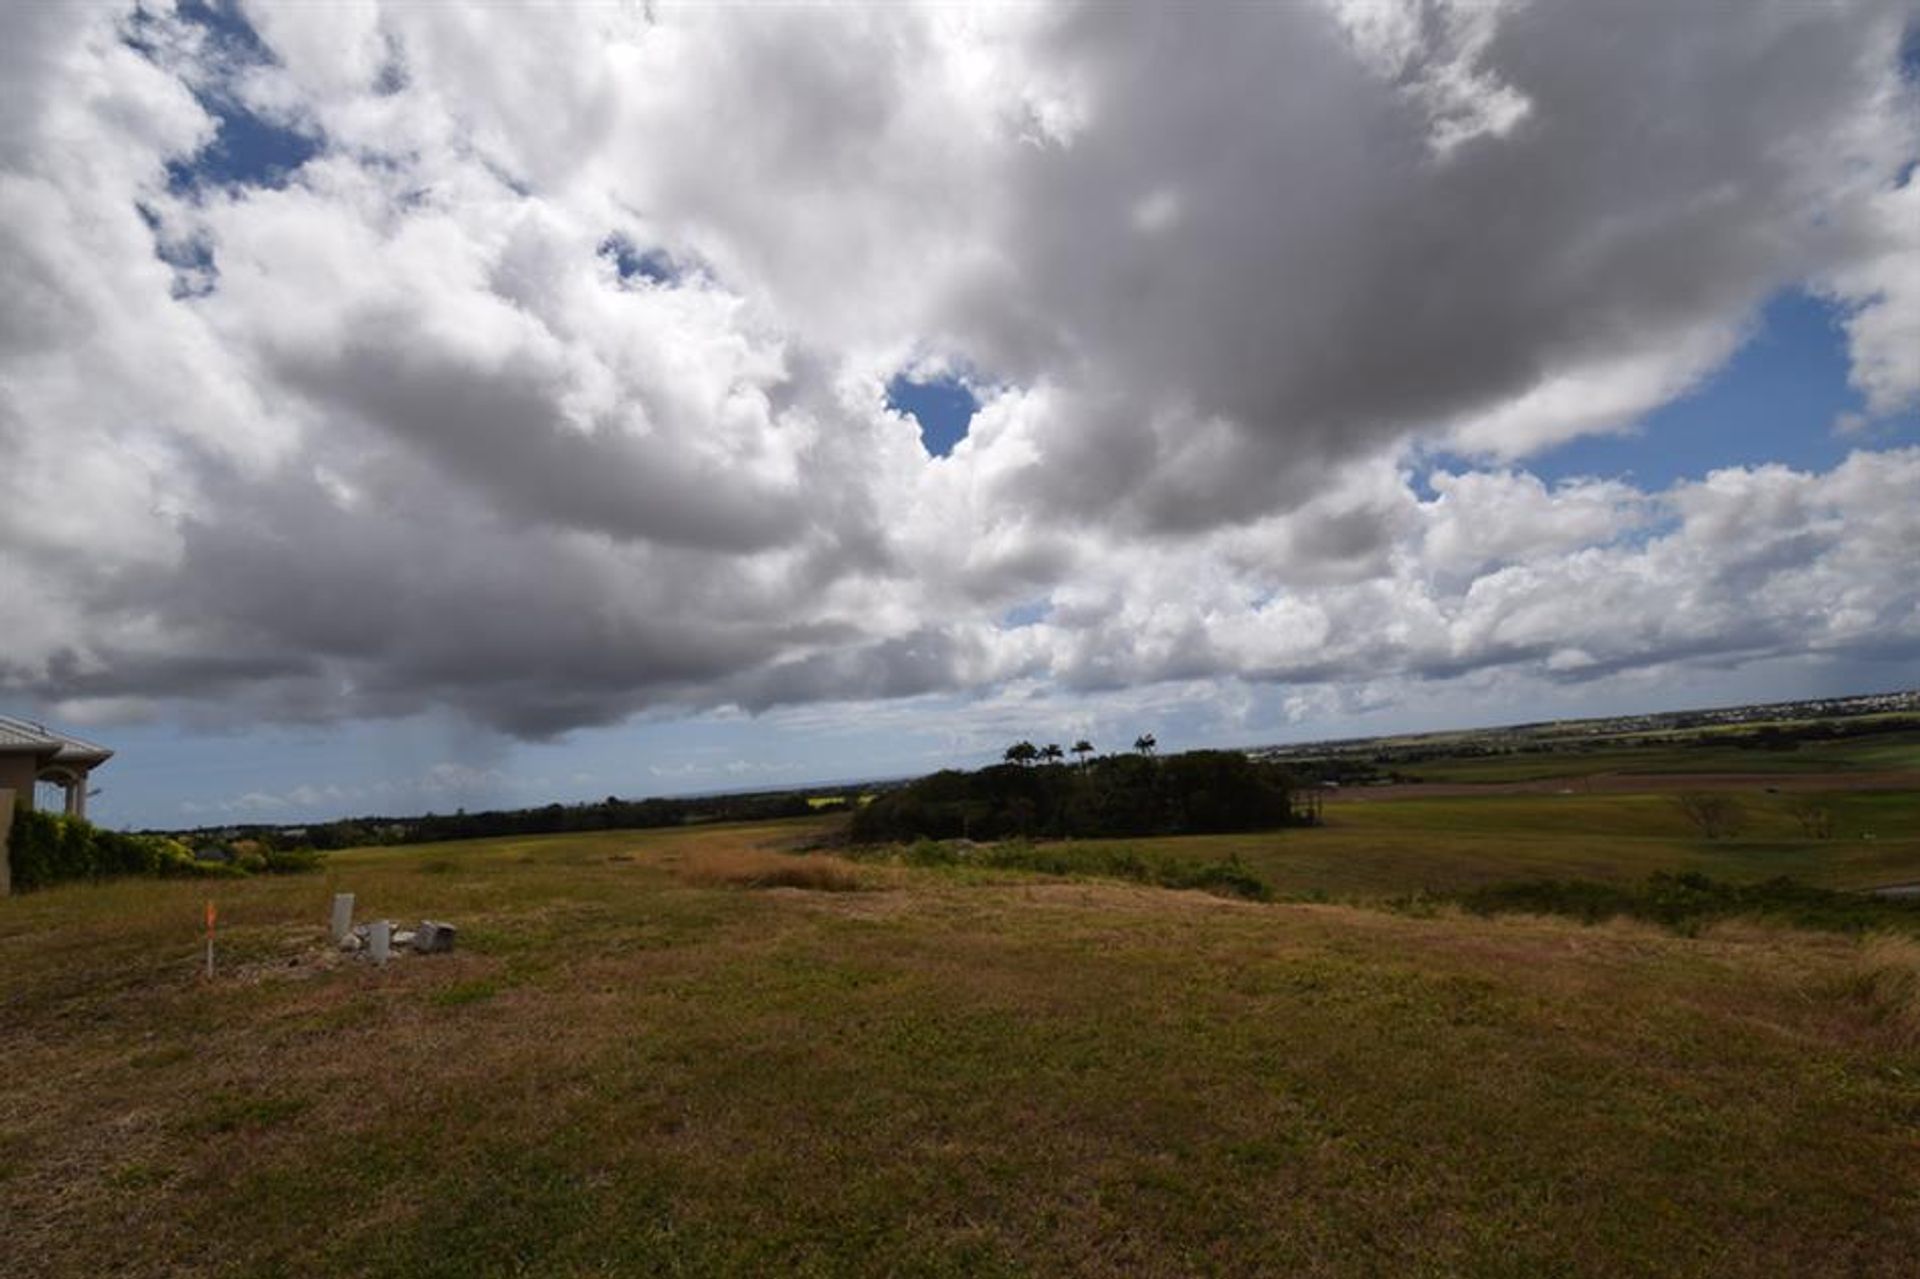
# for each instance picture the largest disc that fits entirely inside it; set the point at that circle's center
(654, 1054)
(1896, 750)
(1391, 847)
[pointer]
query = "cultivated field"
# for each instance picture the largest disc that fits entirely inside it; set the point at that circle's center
(696, 1052)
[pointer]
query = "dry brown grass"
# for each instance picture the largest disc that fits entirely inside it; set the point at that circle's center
(758, 868)
(632, 1066)
(1886, 979)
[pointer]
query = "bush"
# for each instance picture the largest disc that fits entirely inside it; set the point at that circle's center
(48, 849)
(37, 851)
(293, 861)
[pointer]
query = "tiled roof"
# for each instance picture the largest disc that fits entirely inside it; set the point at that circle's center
(25, 735)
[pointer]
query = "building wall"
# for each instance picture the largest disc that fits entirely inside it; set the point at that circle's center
(16, 774)
(6, 832)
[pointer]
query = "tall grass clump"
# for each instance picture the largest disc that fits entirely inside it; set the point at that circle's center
(1886, 980)
(742, 869)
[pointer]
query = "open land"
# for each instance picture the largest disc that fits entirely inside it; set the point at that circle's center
(702, 1051)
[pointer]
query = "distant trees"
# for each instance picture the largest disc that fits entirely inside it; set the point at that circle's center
(1113, 796)
(609, 814)
(1025, 752)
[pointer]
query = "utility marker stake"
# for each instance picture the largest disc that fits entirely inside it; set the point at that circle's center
(342, 916)
(210, 918)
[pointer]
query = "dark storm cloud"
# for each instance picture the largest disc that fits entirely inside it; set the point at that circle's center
(1255, 229)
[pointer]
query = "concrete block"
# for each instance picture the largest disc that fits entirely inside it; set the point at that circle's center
(433, 937)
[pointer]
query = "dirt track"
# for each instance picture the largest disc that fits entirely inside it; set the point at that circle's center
(1636, 783)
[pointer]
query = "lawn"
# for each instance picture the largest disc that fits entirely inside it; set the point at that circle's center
(649, 1057)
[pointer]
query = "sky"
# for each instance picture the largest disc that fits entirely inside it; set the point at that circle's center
(415, 407)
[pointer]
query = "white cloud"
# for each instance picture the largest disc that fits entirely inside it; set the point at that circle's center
(396, 434)
(1883, 285)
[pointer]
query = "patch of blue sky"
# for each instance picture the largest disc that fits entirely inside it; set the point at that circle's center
(248, 149)
(1026, 614)
(656, 266)
(195, 274)
(943, 406)
(1782, 398)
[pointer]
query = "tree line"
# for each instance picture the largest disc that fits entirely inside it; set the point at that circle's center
(611, 813)
(1038, 795)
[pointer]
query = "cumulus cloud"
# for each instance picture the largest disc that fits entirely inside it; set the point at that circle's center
(400, 425)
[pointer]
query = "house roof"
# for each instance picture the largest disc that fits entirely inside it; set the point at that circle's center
(23, 735)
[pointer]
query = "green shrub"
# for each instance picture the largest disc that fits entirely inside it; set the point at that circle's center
(1226, 879)
(36, 850)
(46, 849)
(293, 861)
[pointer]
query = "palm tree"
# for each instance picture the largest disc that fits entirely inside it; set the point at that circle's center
(1145, 743)
(1083, 748)
(1052, 753)
(1022, 753)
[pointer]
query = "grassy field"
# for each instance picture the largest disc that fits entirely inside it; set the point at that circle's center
(1871, 752)
(690, 1052)
(1369, 850)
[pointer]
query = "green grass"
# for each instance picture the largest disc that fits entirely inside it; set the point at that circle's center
(637, 1064)
(1873, 752)
(1385, 848)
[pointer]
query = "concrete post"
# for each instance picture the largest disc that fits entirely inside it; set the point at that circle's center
(380, 940)
(342, 922)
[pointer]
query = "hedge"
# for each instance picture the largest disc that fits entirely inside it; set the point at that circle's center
(46, 849)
